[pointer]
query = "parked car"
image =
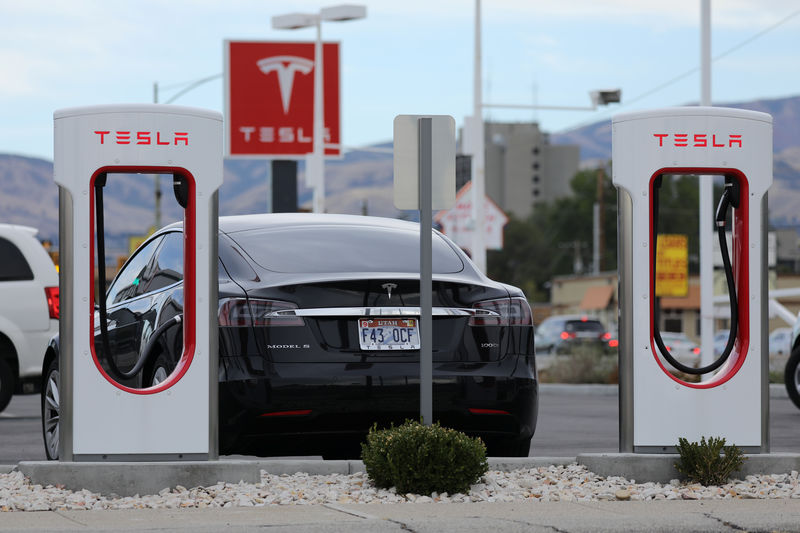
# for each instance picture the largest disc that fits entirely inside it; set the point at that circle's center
(681, 348)
(28, 309)
(564, 333)
(780, 342)
(720, 341)
(791, 374)
(318, 335)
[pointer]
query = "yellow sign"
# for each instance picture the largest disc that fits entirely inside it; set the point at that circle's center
(672, 266)
(135, 241)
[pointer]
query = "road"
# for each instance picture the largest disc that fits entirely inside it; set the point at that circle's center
(572, 420)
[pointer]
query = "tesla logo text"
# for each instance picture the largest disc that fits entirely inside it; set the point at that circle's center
(699, 140)
(156, 138)
(286, 134)
(285, 67)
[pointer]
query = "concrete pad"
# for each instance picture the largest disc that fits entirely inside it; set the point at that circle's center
(660, 468)
(507, 464)
(131, 478)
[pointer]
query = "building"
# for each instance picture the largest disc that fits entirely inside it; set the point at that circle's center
(596, 296)
(522, 167)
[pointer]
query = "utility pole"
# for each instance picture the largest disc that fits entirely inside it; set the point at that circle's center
(157, 177)
(601, 219)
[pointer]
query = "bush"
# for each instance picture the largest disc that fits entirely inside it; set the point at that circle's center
(423, 459)
(702, 463)
(585, 364)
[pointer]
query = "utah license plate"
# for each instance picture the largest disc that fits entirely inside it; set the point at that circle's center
(388, 333)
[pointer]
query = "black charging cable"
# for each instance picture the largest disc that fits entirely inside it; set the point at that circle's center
(730, 198)
(117, 374)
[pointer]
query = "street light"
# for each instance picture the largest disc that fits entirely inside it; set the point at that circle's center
(315, 161)
(474, 142)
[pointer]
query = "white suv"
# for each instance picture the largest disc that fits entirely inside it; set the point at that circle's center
(28, 310)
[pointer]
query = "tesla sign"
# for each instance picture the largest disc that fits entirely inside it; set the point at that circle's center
(269, 98)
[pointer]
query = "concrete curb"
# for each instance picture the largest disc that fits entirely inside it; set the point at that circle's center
(776, 390)
(131, 478)
(660, 468)
(5, 469)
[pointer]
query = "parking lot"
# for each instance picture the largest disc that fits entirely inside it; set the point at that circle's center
(573, 419)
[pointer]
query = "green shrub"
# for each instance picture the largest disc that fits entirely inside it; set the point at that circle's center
(586, 364)
(423, 459)
(702, 463)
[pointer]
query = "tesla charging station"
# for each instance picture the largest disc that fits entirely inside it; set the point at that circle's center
(102, 419)
(657, 407)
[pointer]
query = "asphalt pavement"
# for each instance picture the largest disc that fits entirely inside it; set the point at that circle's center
(572, 420)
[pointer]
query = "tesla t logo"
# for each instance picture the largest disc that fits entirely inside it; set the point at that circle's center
(286, 67)
(389, 287)
(698, 140)
(156, 138)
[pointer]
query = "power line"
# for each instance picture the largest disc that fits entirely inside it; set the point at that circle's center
(693, 70)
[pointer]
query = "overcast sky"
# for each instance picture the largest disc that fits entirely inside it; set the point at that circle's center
(406, 57)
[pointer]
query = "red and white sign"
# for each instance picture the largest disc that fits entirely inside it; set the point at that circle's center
(458, 225)
(269, 98)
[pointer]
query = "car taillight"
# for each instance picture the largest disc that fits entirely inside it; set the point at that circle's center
(613, 343)
(52, 301)
(257, 312)
(510, 312)
(567, 335)
(606, 336)
(696, 351)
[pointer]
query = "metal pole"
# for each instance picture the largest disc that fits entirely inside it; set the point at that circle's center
(706, 199)
(425, 271)
(625, 324)
(157, 177)
(478, 165)
(315, 167)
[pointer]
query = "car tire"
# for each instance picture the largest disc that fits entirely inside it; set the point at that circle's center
(7, 384)
(51, 410)
(791, 376)
(510, 448)
(161, 370)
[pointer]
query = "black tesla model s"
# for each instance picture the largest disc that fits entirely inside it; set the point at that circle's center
(319, 334)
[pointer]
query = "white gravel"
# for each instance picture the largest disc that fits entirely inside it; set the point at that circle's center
(554, 483)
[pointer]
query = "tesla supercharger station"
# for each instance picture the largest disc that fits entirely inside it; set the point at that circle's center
(102, 419)
(656, 406)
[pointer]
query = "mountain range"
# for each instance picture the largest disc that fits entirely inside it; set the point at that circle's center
(361, 181)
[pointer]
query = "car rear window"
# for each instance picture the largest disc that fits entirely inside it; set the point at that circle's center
(13, 266)
(577, 326)
(316, 249)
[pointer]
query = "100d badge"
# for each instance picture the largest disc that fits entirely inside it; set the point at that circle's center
(388, 334)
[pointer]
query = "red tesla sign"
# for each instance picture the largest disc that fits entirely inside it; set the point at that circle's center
(269, 98)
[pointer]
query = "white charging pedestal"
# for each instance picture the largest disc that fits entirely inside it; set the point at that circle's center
(100, 418)
(656, 407)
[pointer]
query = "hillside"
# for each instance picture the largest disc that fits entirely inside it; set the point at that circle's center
(358, 180)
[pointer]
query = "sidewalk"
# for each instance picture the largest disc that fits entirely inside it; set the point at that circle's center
(535, 517)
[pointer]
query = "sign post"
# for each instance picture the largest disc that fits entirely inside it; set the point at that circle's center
(425, 182)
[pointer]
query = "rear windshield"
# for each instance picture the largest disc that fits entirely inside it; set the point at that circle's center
(316, 249)
(577, 326)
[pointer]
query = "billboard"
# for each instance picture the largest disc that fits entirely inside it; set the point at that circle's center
(672, 265)
(269, 98)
